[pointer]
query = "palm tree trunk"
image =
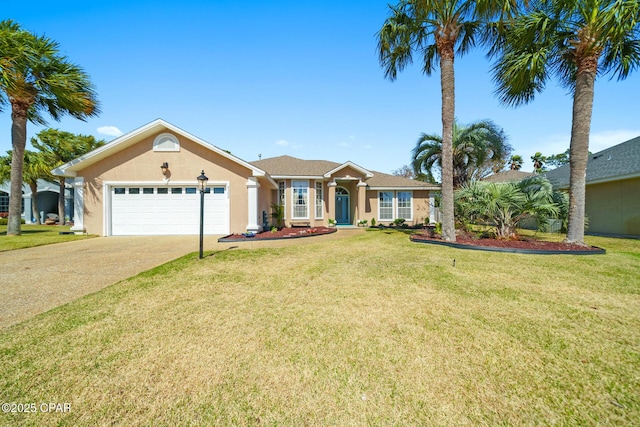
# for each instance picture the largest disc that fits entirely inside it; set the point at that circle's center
(18, 141)
(447, 82)
(579, 154)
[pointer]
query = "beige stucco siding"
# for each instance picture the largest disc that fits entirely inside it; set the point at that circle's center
(139, 163)
(614, 207)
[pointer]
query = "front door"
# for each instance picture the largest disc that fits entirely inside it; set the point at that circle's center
(342, 206)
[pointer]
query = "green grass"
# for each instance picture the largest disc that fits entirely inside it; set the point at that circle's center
(35, 235)
(371, 330)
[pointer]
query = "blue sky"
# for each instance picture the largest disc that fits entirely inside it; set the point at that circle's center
(287, 77)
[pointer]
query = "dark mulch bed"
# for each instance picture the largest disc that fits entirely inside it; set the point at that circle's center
(522, 245)
(284, 233)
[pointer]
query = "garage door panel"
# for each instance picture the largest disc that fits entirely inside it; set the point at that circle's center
(170, 213)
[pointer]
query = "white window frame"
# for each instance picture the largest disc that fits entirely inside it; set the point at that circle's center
(282, 190)
(297, 186)
(380, 207)
(319, 197)
(410, 207)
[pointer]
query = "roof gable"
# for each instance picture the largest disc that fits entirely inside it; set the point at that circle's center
(283, 167)
(129, 139)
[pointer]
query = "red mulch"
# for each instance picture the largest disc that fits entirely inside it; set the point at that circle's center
(521, 243)
(286, 233)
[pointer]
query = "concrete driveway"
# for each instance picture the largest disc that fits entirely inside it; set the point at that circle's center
(38, 279)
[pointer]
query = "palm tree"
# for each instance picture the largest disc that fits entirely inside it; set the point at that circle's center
(437, 30)
(515, 163)
(504, 205)
(60, 147)
(538, 162)
(35, 79)
(575, 40)
(476, 149)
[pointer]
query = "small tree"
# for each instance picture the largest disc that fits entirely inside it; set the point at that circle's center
(504, 205)
(277, 213)
(59, 147)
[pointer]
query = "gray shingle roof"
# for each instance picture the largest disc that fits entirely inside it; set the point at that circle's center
(291, 166)
(615, 163)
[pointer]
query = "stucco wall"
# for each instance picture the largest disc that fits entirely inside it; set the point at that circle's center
(140, 163)
(614, 207)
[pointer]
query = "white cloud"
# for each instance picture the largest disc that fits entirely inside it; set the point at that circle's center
(601, 140)
(282, 142)
(109, 131)
(344, 144)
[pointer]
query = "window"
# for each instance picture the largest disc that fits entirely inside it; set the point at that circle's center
(319, 207)
(147, 190)
(166, 142)
(190, 190)
(300, 199)
(218, 190)
(404, 205)
(163, 190)
(134, 191)
(176, 191)
(118, 190)
(4, 202)
(385, 207)
(281, 197)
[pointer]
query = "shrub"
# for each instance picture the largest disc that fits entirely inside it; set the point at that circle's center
(504, 205)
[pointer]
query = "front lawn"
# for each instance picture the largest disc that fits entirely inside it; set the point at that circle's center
(370, 330)
(36, 235)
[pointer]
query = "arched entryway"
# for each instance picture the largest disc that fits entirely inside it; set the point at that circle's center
(343, 206)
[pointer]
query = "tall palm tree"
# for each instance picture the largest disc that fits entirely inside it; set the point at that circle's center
(575, 40)
(437, 30)
(515, 163)
(35, 79)
(476, 148)
(538, 162)
(60, 147)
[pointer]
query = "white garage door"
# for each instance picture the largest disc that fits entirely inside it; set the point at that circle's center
(167, 210)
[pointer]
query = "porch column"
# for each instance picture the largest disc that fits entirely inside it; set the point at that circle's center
(362, 201)
(78, 205)
(252, 203)
(331, 200)
(432, 207)
(28, 208)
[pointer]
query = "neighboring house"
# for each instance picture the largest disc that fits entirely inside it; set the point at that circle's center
(47, 200)
(508, 176)
(612, 189)
(120, 188)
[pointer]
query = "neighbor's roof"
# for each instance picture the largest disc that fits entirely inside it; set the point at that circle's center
(291, 167)
(508, 176)
(616, 163)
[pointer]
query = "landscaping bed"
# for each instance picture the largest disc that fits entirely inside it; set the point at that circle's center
(283, 233)
(520, 245)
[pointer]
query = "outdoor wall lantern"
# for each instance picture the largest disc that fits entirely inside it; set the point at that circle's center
(165, 168)
(202, 184)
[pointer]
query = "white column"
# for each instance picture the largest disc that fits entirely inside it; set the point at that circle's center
(432, 206)
(252, 202)
(28, 208)
(78, 205)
